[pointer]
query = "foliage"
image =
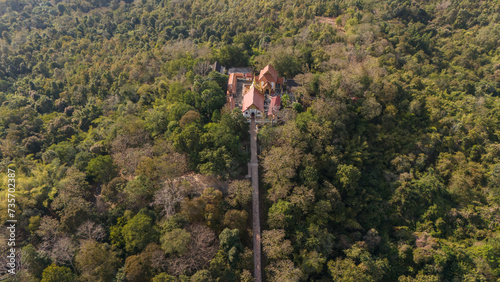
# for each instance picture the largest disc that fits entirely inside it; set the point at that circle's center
(57, 273)
(139, 231)
(96, 261)
(383, 165)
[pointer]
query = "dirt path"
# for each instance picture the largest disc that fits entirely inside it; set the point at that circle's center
(254, 167)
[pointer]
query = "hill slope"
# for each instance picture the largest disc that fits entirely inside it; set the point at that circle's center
(386, 169)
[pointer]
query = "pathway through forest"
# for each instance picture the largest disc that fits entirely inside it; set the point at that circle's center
(254, 167)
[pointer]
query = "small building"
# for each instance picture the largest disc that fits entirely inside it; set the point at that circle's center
(269, 80)
(253, 103)
(232, 85)
(275, 105)
(218, 67)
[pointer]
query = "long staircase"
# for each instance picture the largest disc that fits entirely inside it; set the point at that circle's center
(254, 172)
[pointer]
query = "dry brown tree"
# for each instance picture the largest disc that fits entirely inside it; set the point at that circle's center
(91, 230)
(201, 250)
(170, 195)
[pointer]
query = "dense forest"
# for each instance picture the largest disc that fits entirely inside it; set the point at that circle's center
(130, 167)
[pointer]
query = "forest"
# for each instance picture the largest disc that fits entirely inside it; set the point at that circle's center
(129, 166)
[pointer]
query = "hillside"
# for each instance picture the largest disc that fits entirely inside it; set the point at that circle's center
(130, 166)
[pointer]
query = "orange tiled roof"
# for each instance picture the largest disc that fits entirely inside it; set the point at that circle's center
(231, 85)
(253, 97)
(271, 70)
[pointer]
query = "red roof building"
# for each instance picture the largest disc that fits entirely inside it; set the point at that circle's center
(274, 106)
(269, 80)
(232, 83)
(253, 103)
(269, 74)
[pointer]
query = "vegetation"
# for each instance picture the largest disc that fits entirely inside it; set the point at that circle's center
(384, 165)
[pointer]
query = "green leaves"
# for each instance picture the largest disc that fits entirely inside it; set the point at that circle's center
(139, 231)
(231, 56)
(175, 241)
(101, 169)
(281, 215)
(394, 122)
(412, 199)
(57, 273)
(358, 265)
(348, 175)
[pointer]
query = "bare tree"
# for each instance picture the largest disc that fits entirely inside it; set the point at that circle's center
(202, 68)
(91, 230)
(157, 256)
(49, 233)
(201, 250)
(169, 195)
(63, 251)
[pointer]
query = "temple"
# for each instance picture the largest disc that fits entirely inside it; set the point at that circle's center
(258, 96)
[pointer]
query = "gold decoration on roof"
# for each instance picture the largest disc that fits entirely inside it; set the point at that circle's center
(256, 85)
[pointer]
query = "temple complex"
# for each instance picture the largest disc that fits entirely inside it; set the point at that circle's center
(257, 96)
